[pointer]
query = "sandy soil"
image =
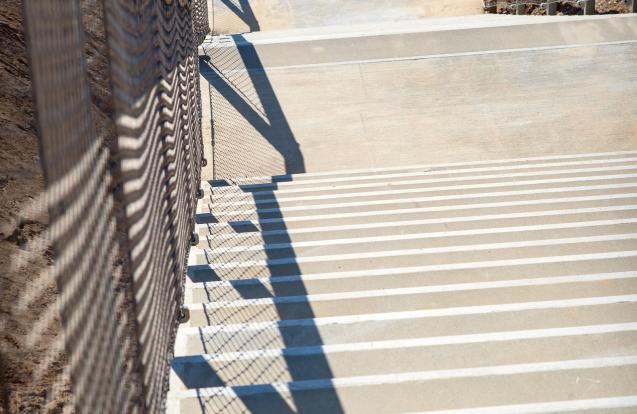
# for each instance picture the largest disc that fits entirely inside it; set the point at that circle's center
(21, 182)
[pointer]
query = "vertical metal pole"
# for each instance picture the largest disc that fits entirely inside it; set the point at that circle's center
(589, 7)
(551, 7)
(520, 7)
(632, 6)
(212, 135)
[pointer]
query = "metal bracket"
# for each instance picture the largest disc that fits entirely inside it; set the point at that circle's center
(184, 315)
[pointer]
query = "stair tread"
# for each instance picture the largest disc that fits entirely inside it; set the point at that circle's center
(512, 272)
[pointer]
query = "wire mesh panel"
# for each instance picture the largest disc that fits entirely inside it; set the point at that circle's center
(200, 23)
(120, 296)
(80, 206)
(158, 119)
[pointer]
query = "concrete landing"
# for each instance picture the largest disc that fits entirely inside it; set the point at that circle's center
(239, 16)
(445, 92)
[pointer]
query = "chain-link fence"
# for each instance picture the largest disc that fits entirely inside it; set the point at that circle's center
(120, 203)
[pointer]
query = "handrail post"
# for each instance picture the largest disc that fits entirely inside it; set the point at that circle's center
(551, 7)
(589, 7)
(490, 6)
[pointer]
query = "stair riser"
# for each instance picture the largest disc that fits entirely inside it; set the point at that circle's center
(312, 179)
(199, 373)
(380, 229)
(251, 229)
(447, 202)
(212, 292)
(224, 254)
(386, 260)
(354, 306)
(482, 391)
(416, 191)
(213, 342)
(428, 180)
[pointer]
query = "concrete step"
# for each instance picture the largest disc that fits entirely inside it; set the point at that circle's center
(296, 237)
(417, 187)
(268, 17)
(430, 37)
(371, 175)
(473, 275)
(220, 254)
(376, 327)
(400, 356)
(243, 267)
(410, 299)
(532, 383)
(428, 176)
(473, 211)
(449, 197)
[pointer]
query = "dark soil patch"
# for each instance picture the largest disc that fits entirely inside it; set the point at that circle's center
(565, 7)
(24, 251)
(21, 182)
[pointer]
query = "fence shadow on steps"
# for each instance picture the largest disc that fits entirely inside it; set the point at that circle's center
(253, 138)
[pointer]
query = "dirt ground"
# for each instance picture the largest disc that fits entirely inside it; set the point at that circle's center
(24, 252)
(568, 7)
(21, 182)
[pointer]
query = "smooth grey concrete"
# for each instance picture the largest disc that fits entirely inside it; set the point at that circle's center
(411, 111)
(451, 292)
(418, 39)
(391, 360)
(240, 16)
(456, 231)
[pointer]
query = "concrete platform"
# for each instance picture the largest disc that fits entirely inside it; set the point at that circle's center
(239, 16)
(427, 217)
(512, 90)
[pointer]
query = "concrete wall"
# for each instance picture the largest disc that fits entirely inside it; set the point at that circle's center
(240, 16)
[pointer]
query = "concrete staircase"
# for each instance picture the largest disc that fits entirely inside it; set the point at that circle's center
(497, 274)
(503, 286)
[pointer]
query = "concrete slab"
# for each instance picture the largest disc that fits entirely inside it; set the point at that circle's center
(407, 112)
(451, 107)
(239, 16)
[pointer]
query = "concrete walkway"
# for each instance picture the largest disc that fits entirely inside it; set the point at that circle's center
(439, 216)
(240, 16)
(484, 87)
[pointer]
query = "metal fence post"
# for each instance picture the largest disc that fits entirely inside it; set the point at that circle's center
(551, 7)
(490, 6)
(589, 7)
(632, 6)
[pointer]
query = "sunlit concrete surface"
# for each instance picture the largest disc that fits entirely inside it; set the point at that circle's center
(239, 16)
(452, 98)
(435, 216)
